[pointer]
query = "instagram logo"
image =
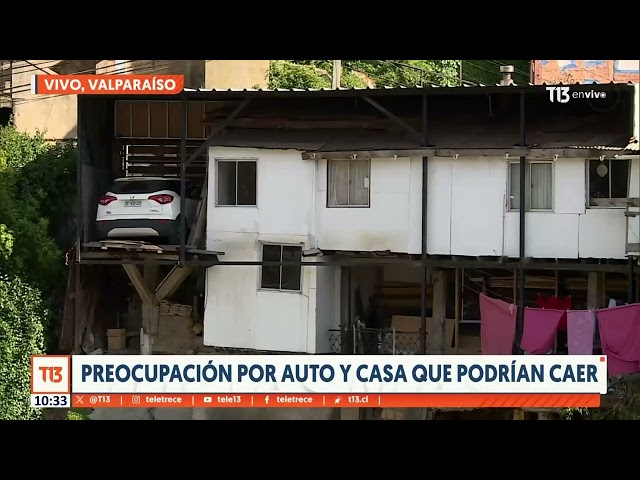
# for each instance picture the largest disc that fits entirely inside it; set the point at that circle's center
(266, 399)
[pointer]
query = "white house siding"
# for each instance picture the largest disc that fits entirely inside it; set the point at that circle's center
(392, 221)
(467, 214)
(238, 313)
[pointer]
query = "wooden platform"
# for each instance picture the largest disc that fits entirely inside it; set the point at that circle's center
(133, 249)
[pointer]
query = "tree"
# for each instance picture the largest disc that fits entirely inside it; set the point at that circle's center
(22, 316)
(363, 73)
(392, 73)
(37, 191)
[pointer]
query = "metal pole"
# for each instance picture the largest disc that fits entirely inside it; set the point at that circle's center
(79, 205)
(183, 183)
(521, 255)
(425, 272)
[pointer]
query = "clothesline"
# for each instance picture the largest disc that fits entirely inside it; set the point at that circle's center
(619, 329)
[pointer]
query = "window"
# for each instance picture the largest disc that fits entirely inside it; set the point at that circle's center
(538, 183)
(348, 182)
(608, 180)
(283, 277)
(236, 184)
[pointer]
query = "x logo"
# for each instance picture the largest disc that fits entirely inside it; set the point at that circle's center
(79, 400)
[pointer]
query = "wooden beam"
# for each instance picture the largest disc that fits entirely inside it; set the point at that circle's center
(198, 228)
(394, 118)
(438, 317)
(146, 294)
(172, 281)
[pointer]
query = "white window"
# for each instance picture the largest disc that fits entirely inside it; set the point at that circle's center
(282, 277)
(348, 183)
(538, 184)
(236, 182)
(608, 180)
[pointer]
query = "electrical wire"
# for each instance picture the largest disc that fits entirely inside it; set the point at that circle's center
(23, 69)
(27, 87)
(132, 70)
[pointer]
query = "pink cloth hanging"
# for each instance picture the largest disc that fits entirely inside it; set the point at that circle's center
(540, 328)
(497, 326)
(581, 326)
(620, 338)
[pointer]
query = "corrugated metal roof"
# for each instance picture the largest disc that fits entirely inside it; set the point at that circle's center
(333, 140)
(317, 140)
(419, 87)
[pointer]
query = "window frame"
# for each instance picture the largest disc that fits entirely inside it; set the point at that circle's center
(350, 160)
(553, 186)
(217, 179)
(281, 245)
(609, 198)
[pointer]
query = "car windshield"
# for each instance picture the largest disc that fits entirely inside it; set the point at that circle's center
(145, 186)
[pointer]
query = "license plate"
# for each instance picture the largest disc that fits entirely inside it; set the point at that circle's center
(133, 203)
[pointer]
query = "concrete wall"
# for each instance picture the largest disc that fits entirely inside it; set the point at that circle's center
(225, 74)
(586, 71)
(56, 115)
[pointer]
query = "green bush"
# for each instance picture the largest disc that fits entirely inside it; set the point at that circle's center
(21, 335)
(37, 192)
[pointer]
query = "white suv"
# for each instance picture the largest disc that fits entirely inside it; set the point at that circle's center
(144, 207)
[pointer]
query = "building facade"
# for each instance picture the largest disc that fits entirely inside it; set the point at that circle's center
(390, 209)
(585, 71)
(56, 115)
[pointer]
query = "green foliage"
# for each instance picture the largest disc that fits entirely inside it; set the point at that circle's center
(363, 73)
(18, 148)
(37, 189)
(289, 74)
(392, 73)
(22, 315)
(78, 414)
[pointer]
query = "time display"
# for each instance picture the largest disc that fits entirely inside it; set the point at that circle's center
(50, 401)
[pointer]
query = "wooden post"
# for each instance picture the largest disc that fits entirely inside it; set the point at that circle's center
(78, 306)
(151, 312)
(518, 414)
(172, 282)
(439, 313)
(336, 74)
(594, 291)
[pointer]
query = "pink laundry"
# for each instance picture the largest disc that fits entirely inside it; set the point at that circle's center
(540, 329)
(620, 338)
(581, 327)
(497, 326)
